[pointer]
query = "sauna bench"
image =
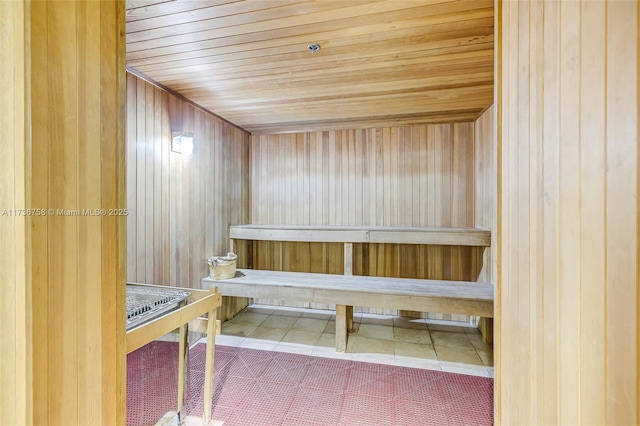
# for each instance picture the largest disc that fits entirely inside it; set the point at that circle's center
(345, 291)
(363, 234)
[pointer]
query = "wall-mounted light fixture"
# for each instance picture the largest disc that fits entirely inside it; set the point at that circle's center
(182, 143)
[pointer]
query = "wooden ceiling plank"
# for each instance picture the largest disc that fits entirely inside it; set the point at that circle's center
(424, 101)
(347, 117)
(479, 59)
(135, 4)
(312, 112)
(167, 8)
(347, 89)
(382, 11)
(413, 62)
(379, 75)
(332, 47)
(283, 63)
(365, 107)
(402, 28)
(227, 15)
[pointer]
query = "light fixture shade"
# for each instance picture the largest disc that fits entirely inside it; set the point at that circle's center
(182, 143)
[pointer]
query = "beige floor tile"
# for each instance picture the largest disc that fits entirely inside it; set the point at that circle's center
(444, 338)
(486, 356)
(261, 309)
(279, 321)
(301, 337)
(310, 324)
(415, 350)
(358, 344)
(456, 354)
(448, 328)
(478, 343)
(378, 320)
(330, 327)
(267, 333)
(288, 313)
(411, 335)
(406, 322)
(327, 340)
(248, 318)
(318, 315)
(242, 330)
(473, 330)
(375, 331)
(383, 339)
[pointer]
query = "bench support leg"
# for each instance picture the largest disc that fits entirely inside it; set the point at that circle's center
(486, 329)
(349, 312)
(344, 324)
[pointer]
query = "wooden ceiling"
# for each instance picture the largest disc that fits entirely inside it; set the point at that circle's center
(381, 62)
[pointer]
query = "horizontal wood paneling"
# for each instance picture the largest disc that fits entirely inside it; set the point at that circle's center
(568, 288)
(381, 62)
(180, 207)
(420, 175)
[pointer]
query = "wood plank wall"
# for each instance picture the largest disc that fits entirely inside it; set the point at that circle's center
(485, 200)
(180, 206)
(485, 187)
(62, 80)
(419, 175)
(568, 297)
(16, 395)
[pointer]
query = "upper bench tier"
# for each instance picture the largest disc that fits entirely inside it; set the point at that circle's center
(363, 234)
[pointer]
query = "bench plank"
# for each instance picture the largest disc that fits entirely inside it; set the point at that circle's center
(454, 297)
(363, 234)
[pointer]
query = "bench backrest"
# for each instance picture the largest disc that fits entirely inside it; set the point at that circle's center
(363, 234)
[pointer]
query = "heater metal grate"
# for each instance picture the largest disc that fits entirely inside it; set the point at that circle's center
(145, 304)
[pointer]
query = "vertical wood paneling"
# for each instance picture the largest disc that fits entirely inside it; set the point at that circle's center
(622, 116)
(63, 63)
(568, 302)
(485, 215)
(485, 186)
(385, 169)
(420, 175)
(592, 193)
(16, 397)
(180, 207)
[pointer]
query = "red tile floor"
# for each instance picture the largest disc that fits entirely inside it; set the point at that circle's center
(257, 387)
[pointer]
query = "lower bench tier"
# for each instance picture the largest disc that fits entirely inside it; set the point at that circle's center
(455, 297)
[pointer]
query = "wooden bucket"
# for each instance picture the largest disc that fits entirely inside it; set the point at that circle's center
(223, 267)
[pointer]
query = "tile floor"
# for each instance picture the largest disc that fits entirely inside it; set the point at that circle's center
(382, 339)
